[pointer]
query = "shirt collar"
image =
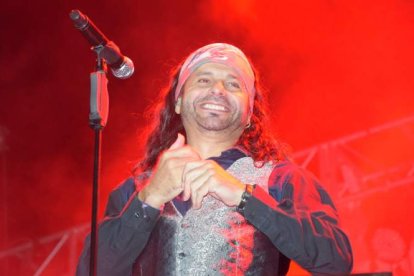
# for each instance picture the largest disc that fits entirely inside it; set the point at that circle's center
(228, 157)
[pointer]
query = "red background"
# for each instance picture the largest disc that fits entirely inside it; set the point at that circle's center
(332, 68)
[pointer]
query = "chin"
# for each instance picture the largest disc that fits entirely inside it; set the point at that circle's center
(215, 125)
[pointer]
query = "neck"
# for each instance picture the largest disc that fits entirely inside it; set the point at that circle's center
(211, 144)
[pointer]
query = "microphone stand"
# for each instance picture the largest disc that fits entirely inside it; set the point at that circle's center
(98, 116)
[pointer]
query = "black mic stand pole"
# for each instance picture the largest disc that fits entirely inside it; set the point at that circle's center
(98, 116)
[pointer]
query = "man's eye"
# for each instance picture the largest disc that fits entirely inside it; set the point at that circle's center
(203, 80)
(233, 84)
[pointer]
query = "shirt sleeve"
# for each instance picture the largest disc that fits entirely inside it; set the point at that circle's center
(300, 219)
(122, 235)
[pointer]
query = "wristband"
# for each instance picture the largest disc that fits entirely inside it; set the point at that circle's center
(248, 192)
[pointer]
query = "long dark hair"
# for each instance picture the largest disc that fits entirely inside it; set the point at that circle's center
(166, 124)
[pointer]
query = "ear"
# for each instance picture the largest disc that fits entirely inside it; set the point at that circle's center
(248, 122)
(249, 117)
(178, 106)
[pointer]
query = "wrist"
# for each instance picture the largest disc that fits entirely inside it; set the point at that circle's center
(246, 195)
(239, 193)
(147, 198)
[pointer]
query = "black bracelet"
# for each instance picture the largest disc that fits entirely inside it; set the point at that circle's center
(248, 192)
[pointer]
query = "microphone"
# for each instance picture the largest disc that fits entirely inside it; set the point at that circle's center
(121, 66)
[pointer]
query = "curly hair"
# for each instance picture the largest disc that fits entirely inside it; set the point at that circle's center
(166, 124)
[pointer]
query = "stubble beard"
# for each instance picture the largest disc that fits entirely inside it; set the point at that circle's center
(211, 121)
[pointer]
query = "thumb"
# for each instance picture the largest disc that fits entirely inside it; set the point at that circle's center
(179, 142)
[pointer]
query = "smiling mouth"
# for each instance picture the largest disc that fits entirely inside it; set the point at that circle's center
(214, 107)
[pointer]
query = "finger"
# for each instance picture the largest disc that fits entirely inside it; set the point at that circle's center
(177, 162)
(185, 152)
(186, 191)
(192, 170)
(200, 190)
(179, 142)
(180, 148)
(195, 187)
(170, 170)
(193, 166)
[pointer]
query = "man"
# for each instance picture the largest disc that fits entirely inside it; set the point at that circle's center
(214, 194)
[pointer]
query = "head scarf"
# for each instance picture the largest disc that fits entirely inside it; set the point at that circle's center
(219, 53)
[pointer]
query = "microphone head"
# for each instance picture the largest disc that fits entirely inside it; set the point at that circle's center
(79, 19)
(125, 70)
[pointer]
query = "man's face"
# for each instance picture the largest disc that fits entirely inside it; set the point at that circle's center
(214, 99)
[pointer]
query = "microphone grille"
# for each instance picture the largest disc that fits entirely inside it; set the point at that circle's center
(79, 19)
(125, 70)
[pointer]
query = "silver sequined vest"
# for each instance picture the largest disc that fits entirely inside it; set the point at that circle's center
(214, 240)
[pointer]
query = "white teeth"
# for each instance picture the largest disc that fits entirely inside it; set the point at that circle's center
(214, 107)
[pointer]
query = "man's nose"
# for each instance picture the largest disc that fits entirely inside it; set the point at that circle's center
(218, 88)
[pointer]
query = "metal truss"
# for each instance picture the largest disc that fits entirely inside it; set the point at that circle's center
(55, 254)
(345, 165)
(351, 168)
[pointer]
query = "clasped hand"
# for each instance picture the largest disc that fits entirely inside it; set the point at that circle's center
(181, 170)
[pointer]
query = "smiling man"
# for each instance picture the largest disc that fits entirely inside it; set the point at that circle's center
(215, 194)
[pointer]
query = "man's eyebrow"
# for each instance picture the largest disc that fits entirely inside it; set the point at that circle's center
(204, 73)
(233, 76)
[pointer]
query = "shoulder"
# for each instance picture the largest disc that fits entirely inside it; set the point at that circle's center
(286, 171)
(289, 180)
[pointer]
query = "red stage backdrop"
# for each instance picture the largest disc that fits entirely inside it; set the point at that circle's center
(340, 80)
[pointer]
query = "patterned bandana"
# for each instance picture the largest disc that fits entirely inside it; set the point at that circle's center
(219, 53)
